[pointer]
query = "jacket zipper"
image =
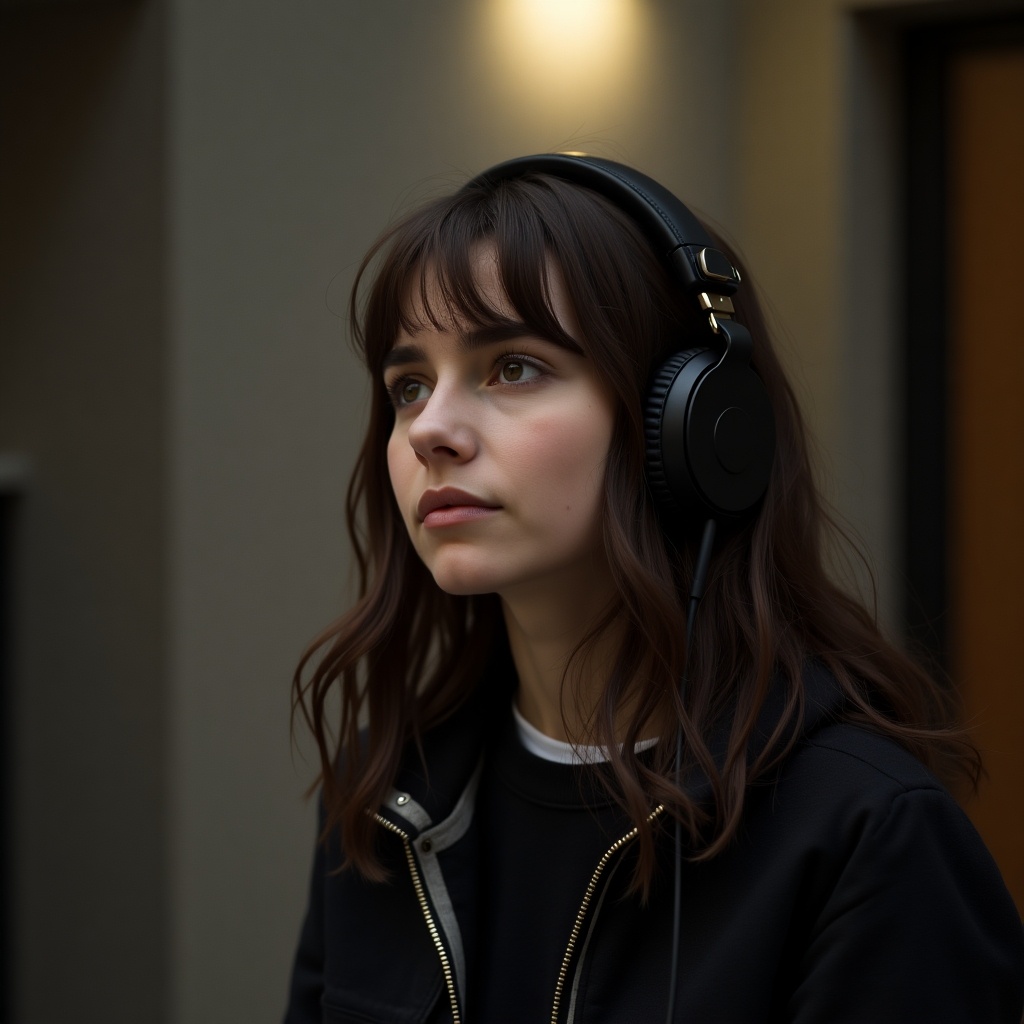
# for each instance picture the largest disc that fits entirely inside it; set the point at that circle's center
(435, 934)
(581, 915)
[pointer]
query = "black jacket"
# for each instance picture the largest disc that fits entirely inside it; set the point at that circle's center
(855, 891)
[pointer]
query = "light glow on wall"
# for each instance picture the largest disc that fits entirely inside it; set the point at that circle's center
(551, 50)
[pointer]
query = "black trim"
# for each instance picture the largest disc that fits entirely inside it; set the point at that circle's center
(8, 526)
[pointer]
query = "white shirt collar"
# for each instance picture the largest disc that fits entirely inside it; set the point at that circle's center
(559, 751)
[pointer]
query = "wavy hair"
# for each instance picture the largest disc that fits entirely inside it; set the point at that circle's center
(406, 655)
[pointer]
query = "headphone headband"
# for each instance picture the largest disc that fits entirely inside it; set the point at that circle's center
(672, 231)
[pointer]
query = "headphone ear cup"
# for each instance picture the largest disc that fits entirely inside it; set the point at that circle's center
(710, 436)
(667, 473)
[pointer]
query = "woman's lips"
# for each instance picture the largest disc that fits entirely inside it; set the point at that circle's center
(452, 515)
(447, 506)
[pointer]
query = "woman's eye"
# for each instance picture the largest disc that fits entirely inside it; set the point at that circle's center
(407, 392)
(515, 371)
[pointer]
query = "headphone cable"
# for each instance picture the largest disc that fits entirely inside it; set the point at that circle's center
(700, 573)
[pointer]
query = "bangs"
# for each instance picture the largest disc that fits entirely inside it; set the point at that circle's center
(430, 273)
(446, 291)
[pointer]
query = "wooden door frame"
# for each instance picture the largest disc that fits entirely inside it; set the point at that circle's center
(927, 54)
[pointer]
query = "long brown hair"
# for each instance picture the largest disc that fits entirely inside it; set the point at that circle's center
(407, 654)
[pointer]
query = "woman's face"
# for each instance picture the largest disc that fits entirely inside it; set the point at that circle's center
(497, 455)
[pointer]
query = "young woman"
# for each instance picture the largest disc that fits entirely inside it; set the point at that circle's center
(552, 787)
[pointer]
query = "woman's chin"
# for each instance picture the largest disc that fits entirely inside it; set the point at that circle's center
(463, 584)
(464, 577)
(463, 570)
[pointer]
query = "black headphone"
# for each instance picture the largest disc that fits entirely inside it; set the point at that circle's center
(709, 424)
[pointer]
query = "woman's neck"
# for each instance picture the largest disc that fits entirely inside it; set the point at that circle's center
(544, 629)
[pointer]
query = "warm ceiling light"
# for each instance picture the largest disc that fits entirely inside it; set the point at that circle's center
(574, 45)
(569, 29)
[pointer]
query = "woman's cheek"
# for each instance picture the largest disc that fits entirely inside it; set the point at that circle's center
(567, 449)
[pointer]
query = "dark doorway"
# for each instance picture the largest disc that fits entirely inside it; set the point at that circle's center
(965, 379)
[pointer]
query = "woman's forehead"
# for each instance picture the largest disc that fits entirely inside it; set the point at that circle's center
(455, 296)
(468, 290)
(469, 297)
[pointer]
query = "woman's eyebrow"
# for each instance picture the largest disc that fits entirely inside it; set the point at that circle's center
(402, 354)
(476, 337)
(509, 330)
(504, 331)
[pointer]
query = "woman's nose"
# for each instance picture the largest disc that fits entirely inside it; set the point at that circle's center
(443, 429)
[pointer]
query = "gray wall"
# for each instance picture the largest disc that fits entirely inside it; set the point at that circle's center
(82, 397)
(189, 186)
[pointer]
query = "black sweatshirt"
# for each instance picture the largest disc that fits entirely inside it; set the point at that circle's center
(855, 891)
